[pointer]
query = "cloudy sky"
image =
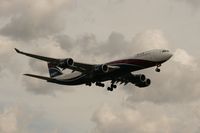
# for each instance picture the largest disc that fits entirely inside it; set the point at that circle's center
(97, 31)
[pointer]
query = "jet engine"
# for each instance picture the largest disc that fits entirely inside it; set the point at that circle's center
(102, 68)
(135, 78)
(146, 83)
(66, 63)
(139, 78)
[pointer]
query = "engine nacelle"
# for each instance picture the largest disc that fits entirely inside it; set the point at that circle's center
(138, 78)
(66, 63)
(146, 83)
(102, 68)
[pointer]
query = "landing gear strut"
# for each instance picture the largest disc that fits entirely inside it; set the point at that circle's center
(157, 68)
(100, 84)
(112, 86)
(89, 84)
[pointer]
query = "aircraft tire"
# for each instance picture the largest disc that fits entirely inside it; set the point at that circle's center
(157, 70)
(110, 89)
(114, 86)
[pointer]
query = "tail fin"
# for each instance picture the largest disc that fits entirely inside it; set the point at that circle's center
(54, 70)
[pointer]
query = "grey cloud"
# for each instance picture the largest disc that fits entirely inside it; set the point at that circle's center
(107, 49)
(116, 1)
(147, 117)
(40, 67)
(40, 87)
(115, 46)
(87, 45)
(24, 28)
(149, 39)
(23, 119)
(30, 22)
(115, 43)
(17, 119)
(193, 3)
(65, 41)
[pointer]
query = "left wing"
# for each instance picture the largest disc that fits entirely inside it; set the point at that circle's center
(43, 58)
(68, 63)
(77, 66)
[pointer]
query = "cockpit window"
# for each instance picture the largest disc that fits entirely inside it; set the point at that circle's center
(165, 51)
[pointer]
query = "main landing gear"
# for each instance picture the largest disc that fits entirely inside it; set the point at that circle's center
(112, 86)
(100, 84)
(88, 84)
(157, 68)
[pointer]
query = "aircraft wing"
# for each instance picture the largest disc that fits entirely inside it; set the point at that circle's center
(43, 58)
(81, 67)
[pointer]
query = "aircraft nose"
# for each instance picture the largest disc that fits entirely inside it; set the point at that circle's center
(169, 55)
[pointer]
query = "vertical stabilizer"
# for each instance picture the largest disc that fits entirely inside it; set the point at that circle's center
(54, 70)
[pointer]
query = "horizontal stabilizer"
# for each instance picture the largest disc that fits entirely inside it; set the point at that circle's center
(39, 77)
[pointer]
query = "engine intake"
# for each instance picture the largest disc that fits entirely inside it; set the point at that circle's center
(146, 83)
(102, 68)
(139, 78)
(66, 63)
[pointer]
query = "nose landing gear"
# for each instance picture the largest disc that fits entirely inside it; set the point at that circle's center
(157, 69)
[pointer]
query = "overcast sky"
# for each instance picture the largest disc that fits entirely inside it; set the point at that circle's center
(97, 31)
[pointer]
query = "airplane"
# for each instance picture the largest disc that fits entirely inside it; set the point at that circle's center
(118, 71)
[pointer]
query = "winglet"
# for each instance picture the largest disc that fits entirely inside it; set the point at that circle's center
(17, 50)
